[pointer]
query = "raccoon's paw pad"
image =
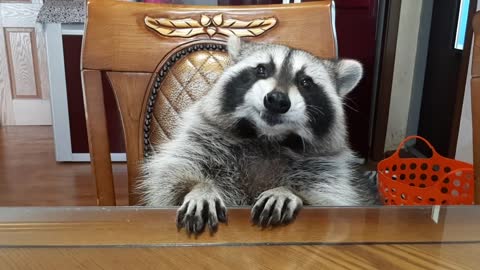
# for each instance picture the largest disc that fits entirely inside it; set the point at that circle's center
(195, 214)
(275, 207)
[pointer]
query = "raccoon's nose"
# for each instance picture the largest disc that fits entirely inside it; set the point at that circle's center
(277, 102)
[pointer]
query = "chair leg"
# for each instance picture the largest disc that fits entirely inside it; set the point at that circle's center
(98, 136)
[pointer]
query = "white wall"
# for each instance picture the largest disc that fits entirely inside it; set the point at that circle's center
(464, 143)
(403, 74)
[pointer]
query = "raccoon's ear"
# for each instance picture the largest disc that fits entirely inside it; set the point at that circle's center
(348, 74)
(234, 46)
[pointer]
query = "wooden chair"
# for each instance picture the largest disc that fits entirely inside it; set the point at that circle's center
(160, 58)
(475, 87)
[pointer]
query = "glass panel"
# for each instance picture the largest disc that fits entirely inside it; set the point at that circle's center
(100, 226)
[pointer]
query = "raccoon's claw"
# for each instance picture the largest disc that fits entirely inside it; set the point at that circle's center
(195, 214)
(275, 207)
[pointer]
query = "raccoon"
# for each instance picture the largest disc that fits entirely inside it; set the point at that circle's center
(271, 133)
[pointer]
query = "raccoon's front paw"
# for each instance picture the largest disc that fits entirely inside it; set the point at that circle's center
(275, 206)
(196, 212)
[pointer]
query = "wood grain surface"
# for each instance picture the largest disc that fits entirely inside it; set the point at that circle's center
(129, 90)
(19, 14)
(117, 39)
(98, 136)
(321, 238)
(6, 106)
(457, 256)
(23, 65)
(21, 48)
(30, 176)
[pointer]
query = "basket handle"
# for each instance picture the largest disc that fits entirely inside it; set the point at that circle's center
(409, 138)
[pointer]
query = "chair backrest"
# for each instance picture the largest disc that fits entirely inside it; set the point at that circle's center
(475, 87)
(160, 58)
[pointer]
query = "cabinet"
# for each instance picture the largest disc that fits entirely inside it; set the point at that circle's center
(64, 44)
(24, 85)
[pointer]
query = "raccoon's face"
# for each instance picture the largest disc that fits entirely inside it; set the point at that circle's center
(282, 91)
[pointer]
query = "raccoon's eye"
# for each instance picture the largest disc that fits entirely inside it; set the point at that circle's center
(261, 71)
(306, 82)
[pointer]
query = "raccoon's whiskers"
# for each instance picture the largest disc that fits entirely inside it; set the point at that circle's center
(303, 144)
(348, 106)
(315, 109)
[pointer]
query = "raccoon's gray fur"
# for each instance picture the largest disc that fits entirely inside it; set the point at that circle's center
(271, 133)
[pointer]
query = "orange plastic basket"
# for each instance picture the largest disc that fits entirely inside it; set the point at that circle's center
(425, 181)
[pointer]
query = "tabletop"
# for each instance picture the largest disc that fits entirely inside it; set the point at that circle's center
(320, 238)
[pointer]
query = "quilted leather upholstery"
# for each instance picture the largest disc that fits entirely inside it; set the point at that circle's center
(187, 80)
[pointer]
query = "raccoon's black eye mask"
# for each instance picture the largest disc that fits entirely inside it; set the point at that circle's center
(305, 82)
(265, 70)
(237, 86)
(261, 71)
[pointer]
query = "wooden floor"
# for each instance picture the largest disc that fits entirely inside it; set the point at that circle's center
(30, 176)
